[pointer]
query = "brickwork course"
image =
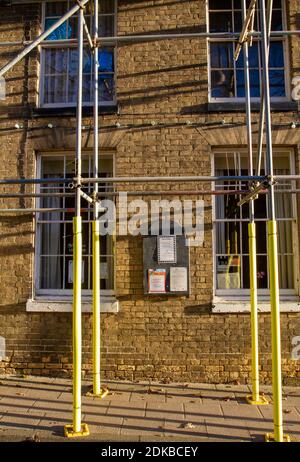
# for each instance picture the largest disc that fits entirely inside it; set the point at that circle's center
(151, 337)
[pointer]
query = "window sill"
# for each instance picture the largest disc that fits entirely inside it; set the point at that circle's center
(287, 305)
(280, 106)
(71, 111)
(107, 305)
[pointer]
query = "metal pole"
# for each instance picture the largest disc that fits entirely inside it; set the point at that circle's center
(159, 193)
(278, 435)
(133, 38)
(78, 428)
(262, 98)
(130, 38)
(149, 179)
(170, 179)
(37, 195)
(35, 181)
(254, 398)
(96, 229)
(41, 37)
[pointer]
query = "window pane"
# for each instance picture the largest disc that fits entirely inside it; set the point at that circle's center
(221, 55)
(106, 87)
(55, 60)
(86, 88)
(106, 6)
(238, 22)
(73, 27)
(260, 204)
(286, 271)
(55, 89)
(217, 5)
(56, 8)
(276, 54)
(107, 271)
(51, 272)
(276, 20)
(62, 32)
(106, 61)
(261, 233)
(229, 272)
(277, 83)
(220, 22)
(262, 270)
(106, 26)
(222, 84)
(227, 238)
(254, 84)
(253, 57)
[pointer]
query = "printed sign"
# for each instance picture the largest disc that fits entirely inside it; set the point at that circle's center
(166, 249)
(157, 281)
(178, 279)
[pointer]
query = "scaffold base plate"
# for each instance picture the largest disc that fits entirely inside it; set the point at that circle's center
(69, 432)
(270, 438)
(262, 401)
(103, 392)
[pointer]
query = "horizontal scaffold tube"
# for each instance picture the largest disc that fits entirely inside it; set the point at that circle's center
(47, 210)
(170, 179)
(166, 36)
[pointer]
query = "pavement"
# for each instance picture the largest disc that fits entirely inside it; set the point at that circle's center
(37, 408)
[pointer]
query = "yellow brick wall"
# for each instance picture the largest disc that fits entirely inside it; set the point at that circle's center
(174, 338)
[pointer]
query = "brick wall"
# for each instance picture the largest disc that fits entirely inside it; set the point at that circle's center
(174, 338)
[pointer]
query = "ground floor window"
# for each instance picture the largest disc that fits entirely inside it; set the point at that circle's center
(54, 246)
(231, 228)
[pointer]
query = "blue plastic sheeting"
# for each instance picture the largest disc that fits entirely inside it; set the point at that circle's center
(64, 31)
(221, 55)
(106, 61)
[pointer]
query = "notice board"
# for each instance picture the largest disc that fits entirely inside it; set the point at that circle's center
(166, 265)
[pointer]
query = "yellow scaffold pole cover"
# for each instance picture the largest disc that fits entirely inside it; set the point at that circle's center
(255, 398)
(278, 435)
(97, 391)
(96, 309)
(77, 428)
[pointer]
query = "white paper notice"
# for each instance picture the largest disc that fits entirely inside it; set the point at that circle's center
(156, 281)
(166, 249)
(70, 272)
(178, 279)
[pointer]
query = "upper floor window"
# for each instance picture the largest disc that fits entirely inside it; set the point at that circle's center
(226, 76)
(59, 57)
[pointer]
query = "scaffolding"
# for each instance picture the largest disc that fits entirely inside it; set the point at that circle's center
(257, 184)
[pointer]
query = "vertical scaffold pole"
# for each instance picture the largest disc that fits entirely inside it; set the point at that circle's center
(77, 428)
(255, 398)
(97, 391)
(278, 435)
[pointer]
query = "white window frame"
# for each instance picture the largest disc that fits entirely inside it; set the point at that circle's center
(244, 294)
(62, 294)
(284, 40)
(69, 43)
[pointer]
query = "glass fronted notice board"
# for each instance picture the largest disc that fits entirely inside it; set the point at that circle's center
(166, 265)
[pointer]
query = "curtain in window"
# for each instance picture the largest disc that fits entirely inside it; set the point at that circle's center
(220, 227)
(55, 75)
(50, 246)
(283, 209)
